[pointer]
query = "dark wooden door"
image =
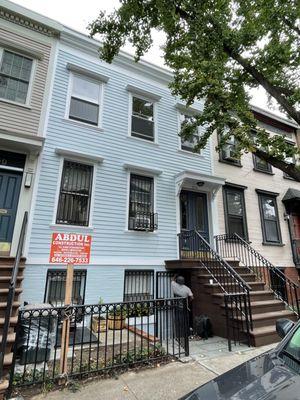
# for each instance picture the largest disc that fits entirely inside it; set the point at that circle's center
(10, 184)
(295, 227)
(194, 213)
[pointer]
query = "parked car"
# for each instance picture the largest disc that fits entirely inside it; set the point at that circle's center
(272, 375)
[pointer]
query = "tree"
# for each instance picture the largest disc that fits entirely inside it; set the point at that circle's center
(218, 50)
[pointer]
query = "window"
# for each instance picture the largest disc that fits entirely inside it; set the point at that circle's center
(228, 151)
(15, 73)
(235, 212)
(142, 119)
(189, 144)
(261, 165)
(138, 285)
(56, 287)
(85, 100)
(75, 194)
(269, 218)
(290, 160)
(141, 199)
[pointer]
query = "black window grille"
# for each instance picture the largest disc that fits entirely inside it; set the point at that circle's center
(15, 72)
(269, 218)
(235, 211)
(141, 215)
(75, 194)
(142, 120)
(138, 285)
(56, 287)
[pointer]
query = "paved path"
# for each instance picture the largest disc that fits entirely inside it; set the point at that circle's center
(167, 382)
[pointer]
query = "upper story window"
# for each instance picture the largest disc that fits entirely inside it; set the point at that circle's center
(269, 218)
(15, 75)
(141, 203)
(228, 151)
(75, 194)
(261, 165)
(290, 160)
(85, 100)
(235, 211)
(190, 143)
(142, 119)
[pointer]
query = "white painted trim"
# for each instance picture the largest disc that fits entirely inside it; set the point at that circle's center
(93, 163)
(183, 109)
(86, 72)
(20, 48)
(142, 169)
(65, 227)
(27, 103)
(78, 155)
(99, 103)
(180, 114)
(142, 92)
(155, 118)
(11, 168)
(95, 128)
(139, 140)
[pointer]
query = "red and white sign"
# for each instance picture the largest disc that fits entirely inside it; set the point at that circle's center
(70, 248)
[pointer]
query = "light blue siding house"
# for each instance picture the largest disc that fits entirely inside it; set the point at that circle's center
(114, 167)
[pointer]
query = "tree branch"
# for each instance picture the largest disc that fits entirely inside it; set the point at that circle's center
(289, 169)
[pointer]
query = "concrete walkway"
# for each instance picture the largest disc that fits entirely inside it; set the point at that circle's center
(168, 382)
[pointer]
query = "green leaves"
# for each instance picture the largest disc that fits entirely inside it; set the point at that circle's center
(218, 49)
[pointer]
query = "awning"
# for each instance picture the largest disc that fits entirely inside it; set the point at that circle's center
(21, 142)
(197, 181)
(291, 195)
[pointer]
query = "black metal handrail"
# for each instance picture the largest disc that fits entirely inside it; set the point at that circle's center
(193, 246)
(233, 246)
(11, 292)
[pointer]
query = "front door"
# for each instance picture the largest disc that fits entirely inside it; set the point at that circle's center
(10, 184)
(194, 214)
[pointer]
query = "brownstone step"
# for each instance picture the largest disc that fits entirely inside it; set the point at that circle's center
(4, 293)
(254, 296)
(263, 336)
(215, 288)
(10, 338)
(8, 359)
(3, 306)
(270, 318)
(263, 306)
(246, 277)
(3, 387)
(13, 322)
(4, 281)
(241, 269)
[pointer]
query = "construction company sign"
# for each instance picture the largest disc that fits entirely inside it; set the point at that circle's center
(70, 248)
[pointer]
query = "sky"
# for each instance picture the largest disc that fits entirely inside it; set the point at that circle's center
(78, 14)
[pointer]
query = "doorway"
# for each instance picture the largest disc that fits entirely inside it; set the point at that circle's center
(10, 185)
(194, 213)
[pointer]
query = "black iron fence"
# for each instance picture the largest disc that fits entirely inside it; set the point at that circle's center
(143, 221)
(193, 246)
(233, 246)
(102, 337)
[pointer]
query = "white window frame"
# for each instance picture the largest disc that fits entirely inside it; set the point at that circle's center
(181, 114)
(148, 175)
(31, 79)
(99, 103)
(154, 102)
(92, 201)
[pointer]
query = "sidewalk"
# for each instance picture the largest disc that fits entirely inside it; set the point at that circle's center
(168, 382)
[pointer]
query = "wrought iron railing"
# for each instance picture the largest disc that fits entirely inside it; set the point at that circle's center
(233, 246)
(143, 221)
(11, 293)
(193, 246)
(103, 337)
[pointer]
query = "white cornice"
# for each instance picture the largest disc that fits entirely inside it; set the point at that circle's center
(274, 116)
(29, 19)
(87, 72)
(78, 155)
(142, 169)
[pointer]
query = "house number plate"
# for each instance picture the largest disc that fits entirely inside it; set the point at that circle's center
(3, 211)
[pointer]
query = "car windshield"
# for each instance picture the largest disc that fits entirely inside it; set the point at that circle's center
(291, 351)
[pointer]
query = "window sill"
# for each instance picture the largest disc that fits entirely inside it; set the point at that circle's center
(71, 227)
(14, 103)
(263, 172)
(231, 163)
(79, 123)
(142, 140)
(273, 244)
(140, 231)
(190, 153)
